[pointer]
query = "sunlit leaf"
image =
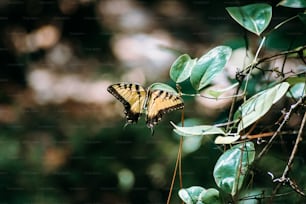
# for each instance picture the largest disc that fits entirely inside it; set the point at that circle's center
(232, 167)
(293, 3)
(258, 105)
(253, 17)
(164, 87)
(191, 195)
(227, 139)
(199, 195)
(208, 66)
(197, 130)
(181, 68)
(217, 93)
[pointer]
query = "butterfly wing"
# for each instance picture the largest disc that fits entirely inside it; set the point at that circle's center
(159, 103)
(132, 96)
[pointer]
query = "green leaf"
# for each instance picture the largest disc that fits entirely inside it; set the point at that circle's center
(293, 3)
(227, 139)
(191, 195)
(210, 196)
(208, 66)
(199, 195)
(259, 104)
(232, 167)
(164, 87)
(297, 91)
(217, 93)
(181, 68)
(253, 17)
(197, 130)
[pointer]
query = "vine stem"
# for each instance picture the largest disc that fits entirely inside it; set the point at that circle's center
(178, 165)
(254, 62)
(247, 80)
(179, 153)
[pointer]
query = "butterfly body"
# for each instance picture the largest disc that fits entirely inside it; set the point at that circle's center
(137, 100)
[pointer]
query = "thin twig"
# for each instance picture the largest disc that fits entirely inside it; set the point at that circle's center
(231, 112)
(284, 178)
(286, 118)
(261, 196)
(295, 148)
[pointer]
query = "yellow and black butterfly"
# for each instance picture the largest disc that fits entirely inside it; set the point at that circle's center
(154, 103)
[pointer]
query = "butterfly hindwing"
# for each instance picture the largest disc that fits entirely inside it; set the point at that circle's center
(132, 96)
(160, 102)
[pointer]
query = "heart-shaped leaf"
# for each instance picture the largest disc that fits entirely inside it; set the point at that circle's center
(198, 130)
(232, 167)
(208, 66)
(253, 17)
(199, 195)
(181, 68)
(210, 196)
(258, 105)
(191, 195)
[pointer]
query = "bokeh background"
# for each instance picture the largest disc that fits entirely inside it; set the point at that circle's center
(62, 138)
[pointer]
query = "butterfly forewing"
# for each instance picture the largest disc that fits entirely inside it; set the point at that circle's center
(160, 102)
(132, 96)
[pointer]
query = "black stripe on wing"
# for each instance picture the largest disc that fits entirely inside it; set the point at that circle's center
(124, 91)
(160, 103)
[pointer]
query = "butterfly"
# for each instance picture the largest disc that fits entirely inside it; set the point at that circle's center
(154, 103)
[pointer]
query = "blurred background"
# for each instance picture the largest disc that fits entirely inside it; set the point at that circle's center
(62, 138)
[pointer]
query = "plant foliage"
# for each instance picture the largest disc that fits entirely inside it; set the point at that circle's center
(232, 169)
